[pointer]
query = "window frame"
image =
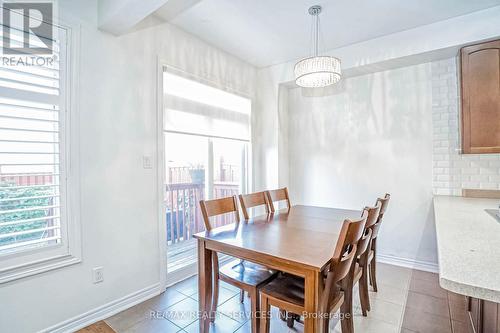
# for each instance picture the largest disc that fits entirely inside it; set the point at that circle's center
(68, 251)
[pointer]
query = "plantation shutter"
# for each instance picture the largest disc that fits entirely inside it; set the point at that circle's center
(32, 116)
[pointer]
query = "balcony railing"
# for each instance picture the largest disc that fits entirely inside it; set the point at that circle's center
(185, 189)
(183, 215)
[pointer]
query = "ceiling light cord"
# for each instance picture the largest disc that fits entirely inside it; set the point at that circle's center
(316, 37)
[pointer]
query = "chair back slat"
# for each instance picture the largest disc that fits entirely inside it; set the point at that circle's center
(216, 207)
(343, 257)
(251, 200)
(346, 247)
(278, 195)
(383, 202)
(371, 219)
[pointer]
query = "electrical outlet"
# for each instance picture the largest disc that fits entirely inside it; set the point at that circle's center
(146, 162)
(97, 274)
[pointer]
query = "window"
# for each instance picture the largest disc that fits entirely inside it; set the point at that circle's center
(36, 231)
(207, 143)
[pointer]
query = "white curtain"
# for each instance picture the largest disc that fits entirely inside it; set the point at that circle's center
(198, 108)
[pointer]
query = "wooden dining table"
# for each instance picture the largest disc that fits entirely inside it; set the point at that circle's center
(298, 241)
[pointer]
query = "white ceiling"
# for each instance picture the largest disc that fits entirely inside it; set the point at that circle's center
(267, 32)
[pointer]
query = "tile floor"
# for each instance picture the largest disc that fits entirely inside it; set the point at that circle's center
(408, 301)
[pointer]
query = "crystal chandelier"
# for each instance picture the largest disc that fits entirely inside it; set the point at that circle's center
(317, 71)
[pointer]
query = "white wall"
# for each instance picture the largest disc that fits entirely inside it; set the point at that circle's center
(372, 135)
(117, 111)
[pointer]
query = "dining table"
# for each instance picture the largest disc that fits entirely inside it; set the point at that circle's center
(299, 240)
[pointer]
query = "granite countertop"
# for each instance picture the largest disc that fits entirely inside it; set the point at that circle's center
(468, 241)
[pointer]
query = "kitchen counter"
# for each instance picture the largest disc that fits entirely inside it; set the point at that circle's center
(468, 241)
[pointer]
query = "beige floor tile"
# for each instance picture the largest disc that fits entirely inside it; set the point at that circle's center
(396, 277)
(165, 299)
(125, 319)
(386, 311)
(428, 304)
(182, 313)
(235, 310)
(278, 327)
(187, 287)
(224, 295)
(390, 294)
(222, 324)
(229, 286)
(153, 326)
(422, 322)
(370, 325)
(428, 287)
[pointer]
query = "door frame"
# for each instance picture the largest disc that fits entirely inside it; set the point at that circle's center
(160, 166)
(167, 279)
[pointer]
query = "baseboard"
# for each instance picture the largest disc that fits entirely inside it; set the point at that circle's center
(408, 263)
(104, 311)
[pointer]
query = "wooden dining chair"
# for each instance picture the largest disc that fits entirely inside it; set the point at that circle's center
(277, 195)
(384, 202)
(287, 291)
(251, 200)
(359, 269)
(244, 275)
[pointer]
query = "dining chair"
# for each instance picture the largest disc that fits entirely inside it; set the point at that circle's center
(359, 269)
(251, 200)
(277, 195)
(242, 274)
(384, 202)
(287, 291)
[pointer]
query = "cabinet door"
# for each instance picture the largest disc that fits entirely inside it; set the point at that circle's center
(490, 317)
(475, 314)
(480, 78)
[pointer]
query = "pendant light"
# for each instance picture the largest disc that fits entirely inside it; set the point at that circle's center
(317, 71)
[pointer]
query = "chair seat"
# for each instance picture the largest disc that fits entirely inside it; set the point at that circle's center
(287, 287)
(245, 272)
(290, 288)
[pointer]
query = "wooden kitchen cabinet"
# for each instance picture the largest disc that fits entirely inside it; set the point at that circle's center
(484, 316)
(480, 85)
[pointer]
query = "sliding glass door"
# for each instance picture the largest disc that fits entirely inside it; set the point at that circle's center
(206, 150)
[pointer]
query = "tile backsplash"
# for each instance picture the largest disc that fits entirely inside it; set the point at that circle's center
(453, 171)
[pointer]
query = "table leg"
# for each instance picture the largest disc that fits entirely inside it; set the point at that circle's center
(310, 301)
(320, 285)
(204, 285)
